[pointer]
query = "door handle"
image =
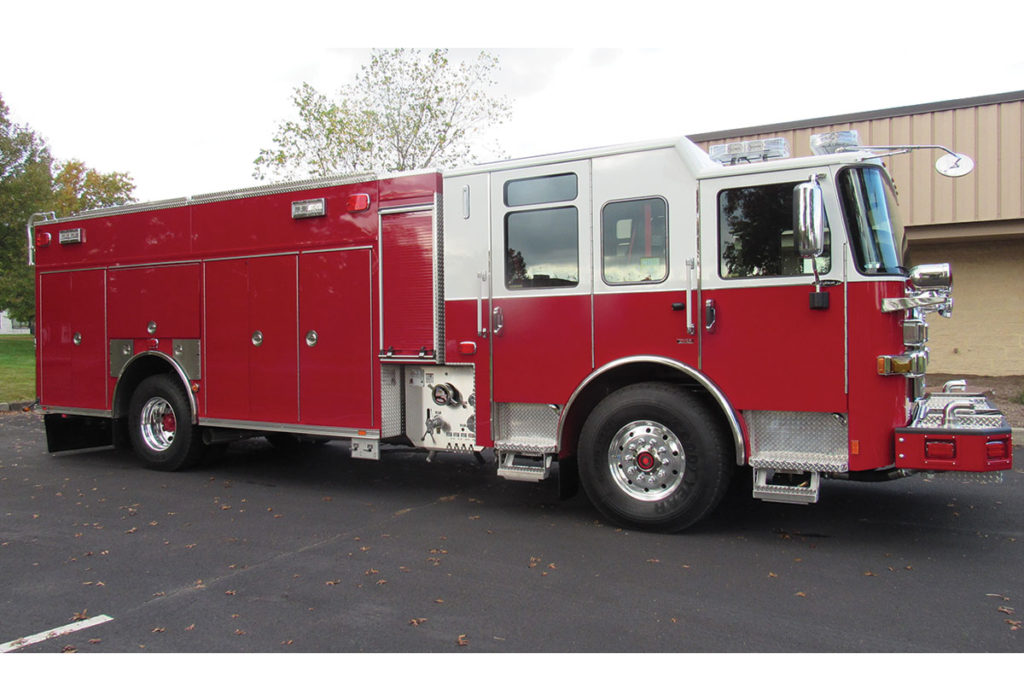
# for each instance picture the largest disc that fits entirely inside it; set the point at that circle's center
(481, 295)
(499, 319)
(710, 315)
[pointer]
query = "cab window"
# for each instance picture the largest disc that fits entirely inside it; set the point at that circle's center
(755, 227)
(634, 241)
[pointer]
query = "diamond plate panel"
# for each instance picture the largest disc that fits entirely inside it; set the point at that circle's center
(391, 405)
(797, 440)
(526, 427)
(981, 415)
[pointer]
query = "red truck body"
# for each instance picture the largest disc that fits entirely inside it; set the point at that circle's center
(617, 311)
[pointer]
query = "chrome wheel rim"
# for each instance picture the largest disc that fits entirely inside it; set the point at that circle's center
(646, 460)
(158, 424)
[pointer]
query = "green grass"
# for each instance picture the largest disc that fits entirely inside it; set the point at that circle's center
(17, 368)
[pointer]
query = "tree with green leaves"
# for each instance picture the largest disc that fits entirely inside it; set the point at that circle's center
(30, 182)
(406, 110)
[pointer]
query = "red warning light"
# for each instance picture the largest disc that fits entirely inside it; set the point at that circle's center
(357, 202)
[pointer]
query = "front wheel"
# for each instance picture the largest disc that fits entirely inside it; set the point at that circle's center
(160, 424)
(655, 456)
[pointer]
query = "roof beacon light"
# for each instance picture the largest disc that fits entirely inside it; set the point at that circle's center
(836, 141)
(750, 150)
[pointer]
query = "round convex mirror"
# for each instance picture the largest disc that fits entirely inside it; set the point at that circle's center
(954, 165)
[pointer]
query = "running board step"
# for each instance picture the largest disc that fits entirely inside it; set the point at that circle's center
(786, 486)
(518, 467)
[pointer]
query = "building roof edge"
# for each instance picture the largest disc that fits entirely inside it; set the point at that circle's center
(909, 110)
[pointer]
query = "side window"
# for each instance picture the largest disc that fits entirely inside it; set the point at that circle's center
(634, 241)
(542, 190)
(542, 248)
(755, 227)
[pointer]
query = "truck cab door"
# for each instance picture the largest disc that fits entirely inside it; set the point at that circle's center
(541, 283)
(762, 342)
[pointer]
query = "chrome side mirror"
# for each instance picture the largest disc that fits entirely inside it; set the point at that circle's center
(931, 277)
(809, 219)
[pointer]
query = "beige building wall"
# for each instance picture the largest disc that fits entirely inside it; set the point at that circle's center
(975, 223)
(985, 335)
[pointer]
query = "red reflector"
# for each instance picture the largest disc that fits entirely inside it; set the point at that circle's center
(42, 239)
(996, 450)
(467, 348)
(939, 450)
(358, 202)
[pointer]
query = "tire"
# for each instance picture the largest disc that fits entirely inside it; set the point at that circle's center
(160, 425)
(654, 456)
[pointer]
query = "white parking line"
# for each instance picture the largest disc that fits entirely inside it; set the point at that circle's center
(54, 633)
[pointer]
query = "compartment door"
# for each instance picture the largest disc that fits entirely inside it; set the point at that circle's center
(72, 338)
(337, 349)
(252, 339)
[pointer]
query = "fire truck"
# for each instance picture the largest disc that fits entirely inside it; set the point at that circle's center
(646, 320)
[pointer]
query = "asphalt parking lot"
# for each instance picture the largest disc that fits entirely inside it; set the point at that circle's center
(265, 551)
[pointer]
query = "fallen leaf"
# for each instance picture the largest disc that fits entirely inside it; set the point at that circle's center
(773, 575)
(869, 573)
(801, 594)
(158, 629)
(416, 622)
(239, 632)
(462, 640)
(190, 627)
(1005, 610)
(69, 649)
(80, 616)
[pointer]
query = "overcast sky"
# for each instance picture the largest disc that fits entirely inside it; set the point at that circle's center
(182, 95)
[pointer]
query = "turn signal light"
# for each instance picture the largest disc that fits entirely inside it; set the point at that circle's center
(357, 202)
(909, 364)
(43, 239)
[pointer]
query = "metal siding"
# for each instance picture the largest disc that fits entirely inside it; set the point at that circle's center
(1011, 146)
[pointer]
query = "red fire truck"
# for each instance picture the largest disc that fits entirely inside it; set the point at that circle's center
(648, 318)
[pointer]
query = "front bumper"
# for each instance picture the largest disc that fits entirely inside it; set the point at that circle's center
(955, 431)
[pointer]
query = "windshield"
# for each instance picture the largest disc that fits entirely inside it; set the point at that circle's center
(869, 204)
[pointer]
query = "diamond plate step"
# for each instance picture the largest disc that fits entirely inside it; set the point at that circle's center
(798, 461)
(517, 467)
(802, 493)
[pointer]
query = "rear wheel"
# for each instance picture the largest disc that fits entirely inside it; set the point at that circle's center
(160, 425)
(655, 456)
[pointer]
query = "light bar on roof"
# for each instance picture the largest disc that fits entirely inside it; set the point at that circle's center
(750, 150)
(836, 141)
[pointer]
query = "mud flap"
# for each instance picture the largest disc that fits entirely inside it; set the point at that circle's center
(74, 432)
